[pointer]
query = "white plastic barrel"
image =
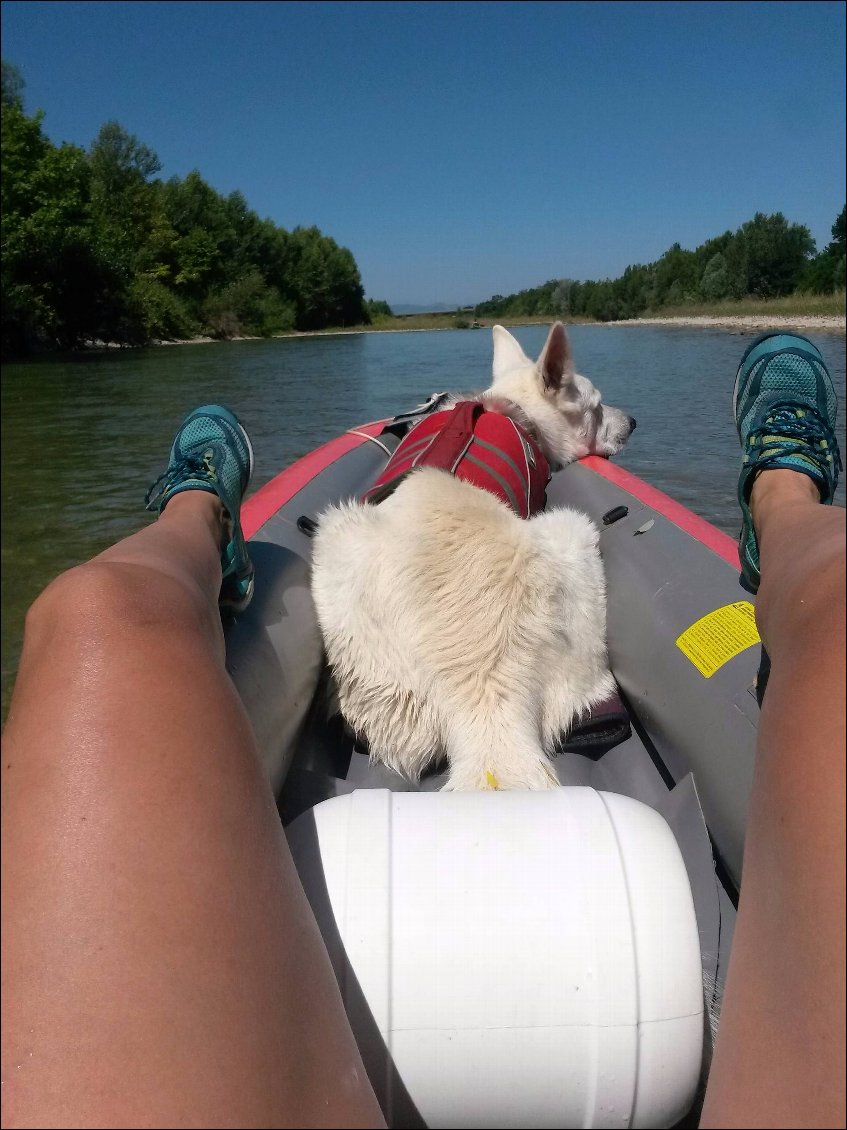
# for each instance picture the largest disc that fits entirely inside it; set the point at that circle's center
(511, 959)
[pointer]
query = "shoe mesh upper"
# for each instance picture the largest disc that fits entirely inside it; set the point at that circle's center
(229, 457)
(788, 376)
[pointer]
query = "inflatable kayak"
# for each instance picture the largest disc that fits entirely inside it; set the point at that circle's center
(523, 959)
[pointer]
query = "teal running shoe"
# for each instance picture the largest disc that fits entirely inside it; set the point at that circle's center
(212, 452)
(785, 407)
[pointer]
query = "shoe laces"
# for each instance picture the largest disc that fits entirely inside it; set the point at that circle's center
(787, 420)
(197, 466)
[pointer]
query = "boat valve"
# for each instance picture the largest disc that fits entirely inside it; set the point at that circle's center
(615, 515)
(307, 525)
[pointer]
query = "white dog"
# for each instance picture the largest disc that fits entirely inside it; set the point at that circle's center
(456, 628)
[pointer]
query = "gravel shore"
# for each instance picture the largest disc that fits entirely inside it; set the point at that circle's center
(747, 321)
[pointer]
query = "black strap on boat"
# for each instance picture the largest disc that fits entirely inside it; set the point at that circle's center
(374, 498)
(762, 676)
(605, 725)
(401, 424)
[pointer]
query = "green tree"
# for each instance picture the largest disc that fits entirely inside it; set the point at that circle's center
(122, 200)
(839, 234)
(825, 273)
(776, 254)
(128, 223)
(560, 298)
(631, 291)
(13, 85)
(676, 276)
(715, 283)
(53, 281)
(323, 281)
(377, 310)
(206, 239)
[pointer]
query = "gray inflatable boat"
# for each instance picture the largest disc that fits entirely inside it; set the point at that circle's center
(524, 959)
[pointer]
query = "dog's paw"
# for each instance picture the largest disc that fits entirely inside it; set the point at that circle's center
(534, 775)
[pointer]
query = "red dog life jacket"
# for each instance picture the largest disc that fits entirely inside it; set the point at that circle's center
(478, 446)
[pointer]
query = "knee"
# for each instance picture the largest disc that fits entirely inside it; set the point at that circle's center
(101, 600)
(808, 602)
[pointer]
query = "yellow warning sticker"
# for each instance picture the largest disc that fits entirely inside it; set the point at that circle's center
(720, 635)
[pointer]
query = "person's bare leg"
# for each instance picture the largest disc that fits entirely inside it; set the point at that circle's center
(161, 966)
(780, 1054)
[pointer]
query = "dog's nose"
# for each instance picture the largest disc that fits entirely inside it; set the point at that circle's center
(631, 423)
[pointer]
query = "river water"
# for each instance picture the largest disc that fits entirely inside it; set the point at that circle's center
(82, 438)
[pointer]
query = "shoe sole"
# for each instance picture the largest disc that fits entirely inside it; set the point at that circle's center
(250, 452)
(236, 606)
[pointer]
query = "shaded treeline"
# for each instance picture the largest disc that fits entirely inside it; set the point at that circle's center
(96, 248)
(765, 258)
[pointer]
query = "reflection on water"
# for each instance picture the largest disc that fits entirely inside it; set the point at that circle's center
(82, 438)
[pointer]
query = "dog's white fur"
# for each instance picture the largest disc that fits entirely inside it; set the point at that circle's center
(453, 627)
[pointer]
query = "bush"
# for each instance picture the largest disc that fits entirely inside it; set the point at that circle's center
(715, 284)
(378, 310)
(158, 312)
(247, 307)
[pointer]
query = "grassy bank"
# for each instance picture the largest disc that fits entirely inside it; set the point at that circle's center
(792, 306)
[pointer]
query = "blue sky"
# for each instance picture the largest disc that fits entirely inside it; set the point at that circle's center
(465, 149)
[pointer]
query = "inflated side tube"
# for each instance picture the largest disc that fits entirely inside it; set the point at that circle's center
(274, 649)
(682, 640)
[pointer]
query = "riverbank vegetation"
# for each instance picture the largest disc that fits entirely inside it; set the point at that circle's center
(95, 247)
(804, 309)
(767, 259)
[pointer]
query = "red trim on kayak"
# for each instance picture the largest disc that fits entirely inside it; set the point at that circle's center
(281, 489)
(709, 535)
(267, 500)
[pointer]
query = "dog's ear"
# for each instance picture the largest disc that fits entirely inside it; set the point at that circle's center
(508, 354)
(555, 363)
